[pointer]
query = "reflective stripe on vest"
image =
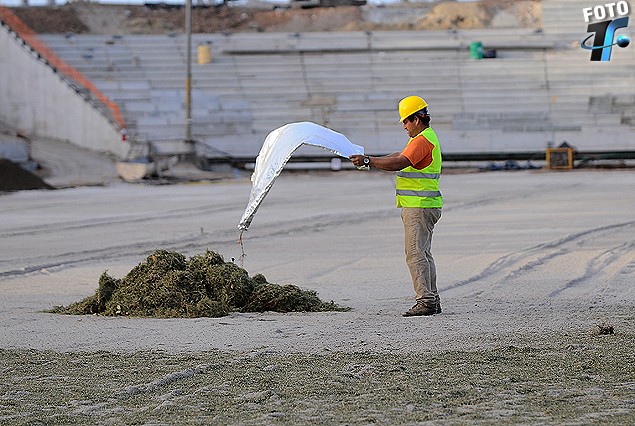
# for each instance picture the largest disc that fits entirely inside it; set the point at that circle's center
(417, 175)
(418, 193)
(420, 187)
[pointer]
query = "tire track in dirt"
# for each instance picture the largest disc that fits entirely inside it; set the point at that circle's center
(597, 266)
(279, 228)
(65, 260)
(142, 217)
(527, 260)
(191, 242)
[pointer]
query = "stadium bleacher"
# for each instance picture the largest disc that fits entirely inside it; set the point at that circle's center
(540, 89)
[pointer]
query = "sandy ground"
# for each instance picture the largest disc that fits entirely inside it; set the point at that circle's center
(515, 250)
(529, 262)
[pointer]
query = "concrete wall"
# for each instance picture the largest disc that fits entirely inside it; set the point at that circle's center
(38, 101)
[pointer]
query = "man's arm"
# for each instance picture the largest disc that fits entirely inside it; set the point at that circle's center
(392, 162)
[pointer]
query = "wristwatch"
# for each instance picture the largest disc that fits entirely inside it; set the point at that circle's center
(366, 161)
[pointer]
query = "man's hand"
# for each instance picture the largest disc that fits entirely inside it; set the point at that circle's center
(358, 160)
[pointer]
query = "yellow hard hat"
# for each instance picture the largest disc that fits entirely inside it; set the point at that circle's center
(410, 105)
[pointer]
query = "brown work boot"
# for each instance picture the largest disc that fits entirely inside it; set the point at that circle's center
(421, 309)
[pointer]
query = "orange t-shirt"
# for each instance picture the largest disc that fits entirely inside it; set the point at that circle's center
(419, 152)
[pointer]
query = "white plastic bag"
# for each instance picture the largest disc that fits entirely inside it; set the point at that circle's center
(276, 150)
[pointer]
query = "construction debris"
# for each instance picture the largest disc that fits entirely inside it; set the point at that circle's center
(167, 285)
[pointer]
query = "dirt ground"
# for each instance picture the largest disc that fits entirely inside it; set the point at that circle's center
(530, 264)
(558, 380)
(128, 19)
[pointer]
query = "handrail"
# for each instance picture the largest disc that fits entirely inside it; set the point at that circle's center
(29, 36)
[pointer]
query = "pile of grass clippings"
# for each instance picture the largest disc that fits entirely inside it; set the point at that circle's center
(167, 285)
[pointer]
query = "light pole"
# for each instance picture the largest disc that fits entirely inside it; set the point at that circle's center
(188, 71)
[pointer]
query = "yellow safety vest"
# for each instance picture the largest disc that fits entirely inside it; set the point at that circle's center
(420, 188)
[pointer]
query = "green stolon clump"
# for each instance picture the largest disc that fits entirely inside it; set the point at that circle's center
(168, 285)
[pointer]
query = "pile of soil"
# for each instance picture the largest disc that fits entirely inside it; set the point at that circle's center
(14, 178)
(97, 18)
(167, 285)
(452, 15)
(51, 19)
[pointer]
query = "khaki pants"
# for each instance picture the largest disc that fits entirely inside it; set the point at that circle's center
(418, 226)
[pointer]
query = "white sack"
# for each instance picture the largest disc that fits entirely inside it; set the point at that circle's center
(276, 151)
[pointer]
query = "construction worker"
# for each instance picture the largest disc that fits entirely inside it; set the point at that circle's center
(418, 169)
